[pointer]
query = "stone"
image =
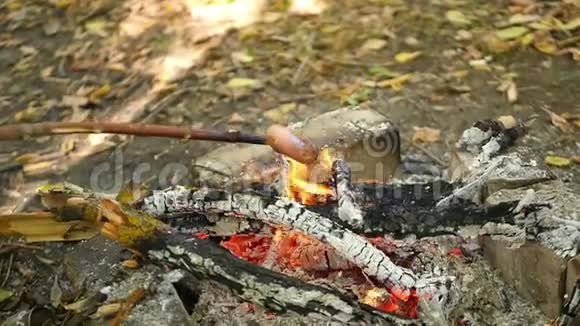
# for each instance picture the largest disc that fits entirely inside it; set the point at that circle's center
(535, 271)
(367, 140)
(540, 270)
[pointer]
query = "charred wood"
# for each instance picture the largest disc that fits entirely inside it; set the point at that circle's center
(275, 291)
(348, 208)
(398, 210)
(348, 244)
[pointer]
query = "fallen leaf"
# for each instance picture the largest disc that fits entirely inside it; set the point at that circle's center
(236, 118)
(560, 122)
(480, 64)
(522, 3)
(242, 56)
(405, 57)
(55, 293)
(557, 161)
(100, 92)
(576, 159)
(571, 25)
(63, 4)
(457, 18)
(496, 45)
(522, 19)
(527, 39)
(5, 294)
(330, 29)
(463, 35)
(382, 72)
(395, 83)
(426, 135)
(512, 92)
(511, 33)
(32, 113)
(51, 27)
(280, 113)
(373, 44)
(359, 96)
(28, 50)
(97, 27)
(507, 121)
(544, 43)
(74, 101)
(107, 310)
(235, 83)
(130, 264)
(575, 52)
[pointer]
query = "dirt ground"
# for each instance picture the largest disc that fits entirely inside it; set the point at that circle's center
(438, 64)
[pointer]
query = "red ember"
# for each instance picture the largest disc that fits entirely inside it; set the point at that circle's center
(201, 235)
(250, 247)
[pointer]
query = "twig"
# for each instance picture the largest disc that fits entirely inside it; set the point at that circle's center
(24, 131)
(8, 270)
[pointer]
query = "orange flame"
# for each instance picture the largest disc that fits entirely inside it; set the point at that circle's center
(305, 183)
(393, 300)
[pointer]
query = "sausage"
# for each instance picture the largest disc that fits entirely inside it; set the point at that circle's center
(283, 141)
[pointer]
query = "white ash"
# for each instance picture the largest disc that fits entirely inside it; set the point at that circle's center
(350, 245)
(473, 138)
(563, 240)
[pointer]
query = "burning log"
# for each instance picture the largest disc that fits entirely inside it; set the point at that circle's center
(205, 259)
(282, 211)
(348, 209)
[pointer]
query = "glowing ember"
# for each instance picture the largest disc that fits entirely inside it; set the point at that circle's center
(403, 303)
(305, 183)
(250, 247)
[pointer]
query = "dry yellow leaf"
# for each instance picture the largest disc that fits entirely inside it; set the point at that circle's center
(527, 39)
(544, 43)
(63, 4)
(557, 161)
(496, 45)
(100, 92)
(373, 44)
(512, 92)
(457, 18)
(130, 264)
(405, 57)
(235, 83)
(426, 135)
(511, 33)
(280, 113)
(395, 83)
(507, 121)
(571, 25)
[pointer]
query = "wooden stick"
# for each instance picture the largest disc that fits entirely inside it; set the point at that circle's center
(279, 138)
(29, 130)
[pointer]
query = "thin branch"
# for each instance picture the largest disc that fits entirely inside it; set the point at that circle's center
(27, 130)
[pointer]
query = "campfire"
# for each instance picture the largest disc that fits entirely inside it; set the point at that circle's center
(293, 251)
(319, 245)
(309, 184)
